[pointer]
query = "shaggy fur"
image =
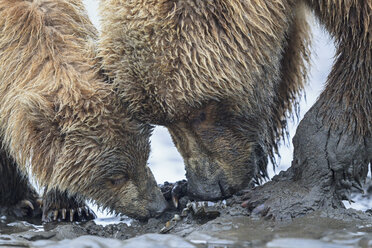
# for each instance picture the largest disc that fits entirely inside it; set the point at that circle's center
(59, 119)
(221, 75)
(224, 75)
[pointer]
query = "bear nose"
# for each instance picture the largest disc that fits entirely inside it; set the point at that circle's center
(158, 205)
(207, 188)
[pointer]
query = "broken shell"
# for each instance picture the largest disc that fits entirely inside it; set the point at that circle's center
(168, 226)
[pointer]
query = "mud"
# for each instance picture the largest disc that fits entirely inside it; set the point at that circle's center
(203, 224)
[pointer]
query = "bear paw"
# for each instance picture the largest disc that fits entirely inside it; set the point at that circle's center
(284, 200)
(26, 208)
(60, 206)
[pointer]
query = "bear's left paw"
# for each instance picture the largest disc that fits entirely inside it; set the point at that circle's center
(83, 213)
(60, 206)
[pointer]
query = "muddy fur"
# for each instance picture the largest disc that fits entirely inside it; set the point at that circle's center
(225, 75)
(350, 81)
(59, 119)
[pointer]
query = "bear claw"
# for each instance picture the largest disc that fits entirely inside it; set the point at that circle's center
(25, 204)
(23, 208)
(79, 214)
(26, 208)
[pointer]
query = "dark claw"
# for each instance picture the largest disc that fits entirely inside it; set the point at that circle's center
(269, 217)
(89, 213)
(346, 197)
(358, 187)
(358, 181)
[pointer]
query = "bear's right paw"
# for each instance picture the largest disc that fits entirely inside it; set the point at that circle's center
(283, 200)
(26, 208)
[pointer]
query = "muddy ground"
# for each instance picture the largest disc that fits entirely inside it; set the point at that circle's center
(202, 224)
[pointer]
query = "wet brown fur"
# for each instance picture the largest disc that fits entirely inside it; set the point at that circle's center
(171, 59)
(247, 60)
(59, 119)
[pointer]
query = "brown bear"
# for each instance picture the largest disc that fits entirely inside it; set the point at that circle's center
(61, 120)
(224, 76)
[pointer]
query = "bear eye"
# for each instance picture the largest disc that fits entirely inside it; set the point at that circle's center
(199, 119)
(202, 116)
(118, 180)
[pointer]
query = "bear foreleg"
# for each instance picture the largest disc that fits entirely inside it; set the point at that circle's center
(18, 198)
(327, 164)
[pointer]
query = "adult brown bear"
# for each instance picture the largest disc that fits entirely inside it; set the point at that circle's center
(223, 76)
(61, 121)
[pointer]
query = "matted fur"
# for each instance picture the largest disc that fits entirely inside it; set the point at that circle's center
(58, 116)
